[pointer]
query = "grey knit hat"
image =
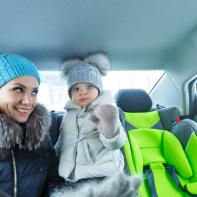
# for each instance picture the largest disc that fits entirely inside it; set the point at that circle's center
(89, 70)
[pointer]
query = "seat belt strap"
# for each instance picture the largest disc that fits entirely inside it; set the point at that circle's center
(151, 182)
(172, 172)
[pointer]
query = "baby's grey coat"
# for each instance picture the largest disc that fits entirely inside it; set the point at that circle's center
(85, 152)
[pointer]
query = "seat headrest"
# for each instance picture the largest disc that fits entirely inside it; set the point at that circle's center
(133, 100)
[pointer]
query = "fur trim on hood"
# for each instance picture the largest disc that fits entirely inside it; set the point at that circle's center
(36, 127)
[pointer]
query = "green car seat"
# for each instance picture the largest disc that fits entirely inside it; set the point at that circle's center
(170, 169)
(136, 111)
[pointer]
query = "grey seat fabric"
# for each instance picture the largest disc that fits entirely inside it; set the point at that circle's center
(184, 130)
(133, 100)
(168, 117)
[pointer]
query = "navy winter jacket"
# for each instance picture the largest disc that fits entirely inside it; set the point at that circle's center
(26, 156)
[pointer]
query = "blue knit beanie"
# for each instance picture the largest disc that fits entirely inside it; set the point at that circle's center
(13, 66)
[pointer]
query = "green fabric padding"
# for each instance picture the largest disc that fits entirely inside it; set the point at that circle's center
(152, 155)
(151, 139)
(149, 145)
(129, 158)
(190, 151)
(144, 190)
(165, 185)
(161, 146)
(149, 119)
(175, 155)
(136, 155)
(183, 181)
(157, 147)
(192, 187)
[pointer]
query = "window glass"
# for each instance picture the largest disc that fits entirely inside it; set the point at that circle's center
(53, 90)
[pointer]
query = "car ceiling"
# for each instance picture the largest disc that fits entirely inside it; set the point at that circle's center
(136, 34)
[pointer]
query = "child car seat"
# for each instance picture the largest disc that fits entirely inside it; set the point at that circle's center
(159, 155)
(137, 105)
(170, 171)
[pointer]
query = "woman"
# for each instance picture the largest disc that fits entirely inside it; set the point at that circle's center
(26, 153)
(25, 147)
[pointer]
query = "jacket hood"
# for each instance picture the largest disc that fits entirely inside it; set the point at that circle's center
(36, 128)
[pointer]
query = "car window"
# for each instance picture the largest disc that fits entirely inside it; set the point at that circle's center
(53, 90)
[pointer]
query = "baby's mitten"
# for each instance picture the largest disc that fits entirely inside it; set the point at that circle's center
(106, 117)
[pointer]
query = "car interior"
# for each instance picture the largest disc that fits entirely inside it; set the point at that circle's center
(158, 38)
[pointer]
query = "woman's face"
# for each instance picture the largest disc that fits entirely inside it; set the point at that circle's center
(18, 98)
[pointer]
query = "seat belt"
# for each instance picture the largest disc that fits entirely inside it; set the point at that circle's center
(150, 177)
(154, 172)
(172, 173)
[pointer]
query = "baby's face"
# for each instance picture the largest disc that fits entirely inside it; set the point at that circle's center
(83, 94)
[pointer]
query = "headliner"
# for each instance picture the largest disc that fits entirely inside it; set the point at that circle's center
(136, 34)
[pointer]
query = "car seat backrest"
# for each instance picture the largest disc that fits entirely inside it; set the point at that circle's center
(137, 109)
(160, 147)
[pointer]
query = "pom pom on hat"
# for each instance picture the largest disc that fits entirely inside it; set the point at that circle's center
(100, 60)
(88, 70)
(13, 66)
(68, 64)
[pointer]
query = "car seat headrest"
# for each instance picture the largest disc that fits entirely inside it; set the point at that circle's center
(133, 100)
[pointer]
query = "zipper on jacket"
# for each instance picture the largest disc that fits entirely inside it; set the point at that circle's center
(15, 175)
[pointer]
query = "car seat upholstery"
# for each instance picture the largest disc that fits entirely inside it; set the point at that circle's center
(184, 130)
(159, 155)
(153, 149)
(136, 107)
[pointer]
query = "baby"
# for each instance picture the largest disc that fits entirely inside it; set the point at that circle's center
(91, 134)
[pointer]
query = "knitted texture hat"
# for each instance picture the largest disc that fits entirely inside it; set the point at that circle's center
(13, 66)
(89, 70)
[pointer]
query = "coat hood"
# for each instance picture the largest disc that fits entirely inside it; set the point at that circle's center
(36, 128)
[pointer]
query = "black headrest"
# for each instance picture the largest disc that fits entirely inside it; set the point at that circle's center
(133, 100)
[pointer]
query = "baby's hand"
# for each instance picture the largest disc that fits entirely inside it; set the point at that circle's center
(106, 117)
